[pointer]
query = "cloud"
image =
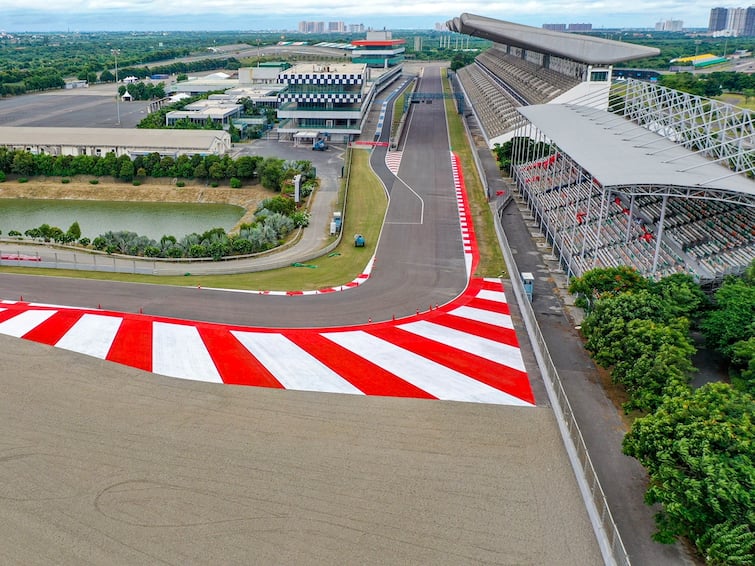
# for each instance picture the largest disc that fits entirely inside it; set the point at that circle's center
(242, 14)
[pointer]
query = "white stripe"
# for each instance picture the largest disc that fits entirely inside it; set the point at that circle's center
(93, 334)
(24, 322)
(179, 351)
(504, 354)
(292, 366)
(497, 296)
(480, 315)
(436, 379)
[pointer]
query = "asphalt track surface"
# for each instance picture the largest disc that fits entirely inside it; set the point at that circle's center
(419, 260)
(105, 464)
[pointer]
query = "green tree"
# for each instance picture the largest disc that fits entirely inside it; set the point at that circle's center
(743, 365)
(733, 319)
(605, 281)
(699, 451)
(126, 170)
(606, 324)
(74, 232)
(653, 358)
(24, 164)
(681, 295)
(272, 173)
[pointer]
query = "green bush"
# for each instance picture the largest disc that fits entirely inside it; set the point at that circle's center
(180, 184)
(2, 176)
(235, 183)
(136, 183)
(65, 180)
(94, 181)
(214, 184)
(23, 180)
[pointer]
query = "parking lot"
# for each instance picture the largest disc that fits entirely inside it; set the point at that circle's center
(93, 107)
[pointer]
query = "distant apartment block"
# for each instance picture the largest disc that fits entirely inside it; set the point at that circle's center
(733, 22)
(329, 27)
(568, 27)
(669, 25)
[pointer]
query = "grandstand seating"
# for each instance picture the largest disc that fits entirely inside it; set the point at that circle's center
(495, 108)
(533, 82)
(705, 238)
(498, 83)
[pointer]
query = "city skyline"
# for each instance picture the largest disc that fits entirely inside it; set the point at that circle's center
(217, 15)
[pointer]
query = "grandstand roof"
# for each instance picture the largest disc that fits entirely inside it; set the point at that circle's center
(618, 152)
(581, 48)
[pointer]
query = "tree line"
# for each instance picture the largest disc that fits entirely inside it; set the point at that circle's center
(270, 172)
(697, 444)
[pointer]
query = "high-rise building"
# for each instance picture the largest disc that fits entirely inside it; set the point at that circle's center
(749, 25)
(669, 25)
(336, 27)
(718, 19)
(555, 27)
(735, 21)
(579, 27)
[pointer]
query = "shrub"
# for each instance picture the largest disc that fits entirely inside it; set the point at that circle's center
(235, 183)
(180, 184)
(136, 183)
(23, 180)
(94, 181)
(84, 241)
(14, 234)
(65, 180)
(2, 176)
(214, 184)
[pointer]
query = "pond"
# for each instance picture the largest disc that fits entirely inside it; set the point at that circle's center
(151, 219)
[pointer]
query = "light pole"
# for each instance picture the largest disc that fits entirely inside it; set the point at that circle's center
(117, 94)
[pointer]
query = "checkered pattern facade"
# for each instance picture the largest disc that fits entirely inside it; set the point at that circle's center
(321, 79)
(336, 98)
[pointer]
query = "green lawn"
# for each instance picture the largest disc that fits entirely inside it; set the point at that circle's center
(491, 259)
(365, 210)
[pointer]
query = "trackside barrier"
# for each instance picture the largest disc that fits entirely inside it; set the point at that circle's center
(609, 539)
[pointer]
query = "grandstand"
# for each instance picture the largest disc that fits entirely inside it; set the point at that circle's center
(662, 181)
(530, 65)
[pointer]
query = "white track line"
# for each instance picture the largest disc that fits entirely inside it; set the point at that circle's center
(179, 351)
(292, 366)
(24, 322)
(480, 315)
(497, 296)
(93, 334)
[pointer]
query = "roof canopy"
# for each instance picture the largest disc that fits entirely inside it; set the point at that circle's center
(620, 153)
(581, 48)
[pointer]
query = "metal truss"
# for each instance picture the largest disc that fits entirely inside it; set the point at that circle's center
(718, 131)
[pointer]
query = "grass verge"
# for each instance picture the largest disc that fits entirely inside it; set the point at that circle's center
(365, 210)
(491, 258)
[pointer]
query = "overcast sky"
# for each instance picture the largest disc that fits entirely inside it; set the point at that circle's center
(120, 15)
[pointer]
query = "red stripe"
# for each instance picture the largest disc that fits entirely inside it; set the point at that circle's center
(54, 328)
(488, 305)
(132, 345)
(235, 364)
(503, 378)
(477, 328)
(492, 285)
(11, 312)
(369, 378)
